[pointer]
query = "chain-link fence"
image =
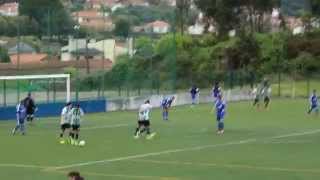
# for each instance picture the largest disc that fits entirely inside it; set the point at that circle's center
(145, 50)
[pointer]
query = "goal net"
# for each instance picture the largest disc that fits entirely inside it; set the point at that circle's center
(44, 88)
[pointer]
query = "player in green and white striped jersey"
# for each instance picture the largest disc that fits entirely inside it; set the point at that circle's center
(76, 114)
(65, 122)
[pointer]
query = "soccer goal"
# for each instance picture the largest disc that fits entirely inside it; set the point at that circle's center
(44, 88)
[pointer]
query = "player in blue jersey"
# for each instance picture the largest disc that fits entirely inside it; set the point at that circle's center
(194, 91)
(314, 103)
(216, 91)
(166, 104)
(220, 106)
(21, 113)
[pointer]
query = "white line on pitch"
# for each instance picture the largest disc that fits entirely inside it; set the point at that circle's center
(23, 166)
(105, 127)
(152, 154)
(179, 150)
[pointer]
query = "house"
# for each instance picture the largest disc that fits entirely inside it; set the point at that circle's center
(135, 2)
(196, 29)
(21, 48)
(98, 4)
(9, 9)
(104, 49)
(27, 58)
(93, 19)
(158, 27)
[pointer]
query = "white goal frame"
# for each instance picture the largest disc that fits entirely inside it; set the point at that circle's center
(49, 76)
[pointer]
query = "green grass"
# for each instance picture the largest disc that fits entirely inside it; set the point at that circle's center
(231, 156)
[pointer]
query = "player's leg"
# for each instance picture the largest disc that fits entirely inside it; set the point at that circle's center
(22, 128)
(72, 134)
(193, 99)
(14, 130)
(150, 135)
(220, 122)
(76, 137)
(255, 101)
(266, 102)
(138, 129)
(311, 109)
(165, 113)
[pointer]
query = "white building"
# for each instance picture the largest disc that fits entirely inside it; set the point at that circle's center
(158, 27)
(109, 48)
(9, 9)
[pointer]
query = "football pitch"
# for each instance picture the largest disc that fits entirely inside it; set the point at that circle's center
(281, 143)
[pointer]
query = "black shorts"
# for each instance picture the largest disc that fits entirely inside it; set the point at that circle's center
(30, 111)
(266, 99)
(144, 123)
(75, 127)
(65, 126)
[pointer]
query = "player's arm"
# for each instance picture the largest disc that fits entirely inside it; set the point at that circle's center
(63, 113)
(81, 112)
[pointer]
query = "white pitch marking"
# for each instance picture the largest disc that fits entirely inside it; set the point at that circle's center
(296, 134)
(23, 166)
(105, 127)
(156, 153)
(152, 154)
(180, 150)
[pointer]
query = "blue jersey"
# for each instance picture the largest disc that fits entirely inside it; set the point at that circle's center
(314, 100)
(216, 91)
(220, 109)
(166, 102)
(194, 91)
(21, 112)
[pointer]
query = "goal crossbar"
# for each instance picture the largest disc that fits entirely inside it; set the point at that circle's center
(49, 76)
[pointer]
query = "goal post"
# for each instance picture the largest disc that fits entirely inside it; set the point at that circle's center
(39, 77)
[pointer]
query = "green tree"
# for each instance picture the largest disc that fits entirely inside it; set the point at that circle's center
(315, 5)
(4, 57)
(183, 7)
(122, 27)
(50, 14)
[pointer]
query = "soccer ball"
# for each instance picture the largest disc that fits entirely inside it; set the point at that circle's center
(82, 143)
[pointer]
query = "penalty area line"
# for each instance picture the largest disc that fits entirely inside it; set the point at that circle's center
(180, 150)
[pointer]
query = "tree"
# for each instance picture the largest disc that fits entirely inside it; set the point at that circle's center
(315, 5)
(4, 57)
(183, 7)
(50, 14)
(256, 10)
(224, 13)
(122, 27)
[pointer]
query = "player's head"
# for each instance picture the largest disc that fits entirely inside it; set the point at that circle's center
(77, 105)
(314, 91)
(147, 101)
(74, 175)
(29, 94)
(68, 104)
(216, 84)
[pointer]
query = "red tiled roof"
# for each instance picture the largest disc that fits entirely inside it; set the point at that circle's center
(87, 14)
(28, 58)
(159, 24)
(9, 8)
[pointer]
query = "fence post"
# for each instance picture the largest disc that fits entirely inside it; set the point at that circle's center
(18, 91)
(54, 90)
(4, 93)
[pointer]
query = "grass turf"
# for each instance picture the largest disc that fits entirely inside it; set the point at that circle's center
(185, 148)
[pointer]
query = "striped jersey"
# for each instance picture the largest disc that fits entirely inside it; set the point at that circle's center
(76, 114)
(66, 115)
